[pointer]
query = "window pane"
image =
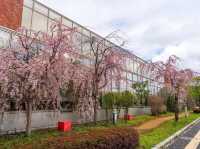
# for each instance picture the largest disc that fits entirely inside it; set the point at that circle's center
(123, 74)
(129, 64)
(134, 77)
(151, 89)
(4, 39)
(108, 87)
(86, 32)
(39, 22)
(97, 38)
(41, 9)
(28, 3)
(54, 16)
(129, 76)
(122, 85)
(15, 42)
(108, 44)
(129, 86)
(86, 61)
(140, 78)
(67, 22)
(77, 27)
(86, 46)
(50, 24)
(77, 40)
(136, 67)
(26, 17)
(115, 85)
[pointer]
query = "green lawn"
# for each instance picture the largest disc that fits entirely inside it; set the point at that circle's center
(10, 142)
(121, 123)
(149, 139)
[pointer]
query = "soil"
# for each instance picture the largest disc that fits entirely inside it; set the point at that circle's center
(154, 123)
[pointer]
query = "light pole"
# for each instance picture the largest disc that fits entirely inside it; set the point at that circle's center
(114, 116)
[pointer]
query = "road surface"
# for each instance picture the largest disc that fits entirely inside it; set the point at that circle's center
(189, 139)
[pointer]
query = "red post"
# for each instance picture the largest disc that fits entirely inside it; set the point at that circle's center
(129, 117)
(64, 125)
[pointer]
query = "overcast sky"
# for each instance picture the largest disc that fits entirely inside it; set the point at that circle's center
(153, 29)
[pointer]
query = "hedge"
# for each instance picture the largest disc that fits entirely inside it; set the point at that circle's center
(109, 138)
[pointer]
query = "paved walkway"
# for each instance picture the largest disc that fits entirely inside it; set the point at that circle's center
(189, 139)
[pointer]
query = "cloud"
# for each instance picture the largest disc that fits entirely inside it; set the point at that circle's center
(154, 29)
(187, 51)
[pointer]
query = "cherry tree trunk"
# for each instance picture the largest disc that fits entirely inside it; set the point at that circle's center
(28, 118)
(176, 108)
(95, 93)
(95, 110)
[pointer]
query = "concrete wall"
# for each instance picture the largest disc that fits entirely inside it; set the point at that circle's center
(12, 122)
(137, 111)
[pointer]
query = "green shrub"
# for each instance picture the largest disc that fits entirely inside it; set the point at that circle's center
(118, 100)
(170, 104)
(108, 101)
(142, 92)
(196, 109)
(118, 103)
(163, 109)
(127, 101)
(194, 90)
(169, 98)
(157, 104)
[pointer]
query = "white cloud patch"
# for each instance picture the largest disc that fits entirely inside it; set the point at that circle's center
(154, 29)
(188, 51)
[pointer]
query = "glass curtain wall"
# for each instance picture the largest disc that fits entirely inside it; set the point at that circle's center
(38, 17)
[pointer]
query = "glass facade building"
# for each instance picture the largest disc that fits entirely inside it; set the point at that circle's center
(38, 17)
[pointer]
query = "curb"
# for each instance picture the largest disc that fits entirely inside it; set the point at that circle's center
(170, 139)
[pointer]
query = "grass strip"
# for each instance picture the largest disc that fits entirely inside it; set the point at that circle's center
(155, 136)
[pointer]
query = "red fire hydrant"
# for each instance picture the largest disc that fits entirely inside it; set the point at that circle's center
(64, 125)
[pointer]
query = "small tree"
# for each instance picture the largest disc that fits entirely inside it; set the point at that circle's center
(141, 92)
(80, 75)
(127, 101)
(168, 96)
(106, 65)
(194, 90)
(20, 68)
(34, 68)
(108, 102)
(118, 103)
(175, 78)
(156, 103)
